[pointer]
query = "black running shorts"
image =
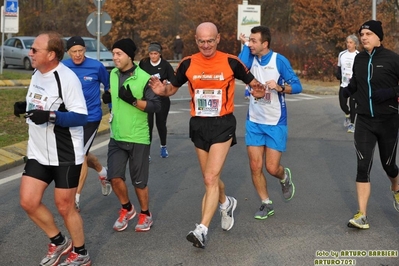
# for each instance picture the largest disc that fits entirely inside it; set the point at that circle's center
(205, 131)
(63, 176)
(119, 152)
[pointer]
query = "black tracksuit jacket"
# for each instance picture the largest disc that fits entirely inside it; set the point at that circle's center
(375, 71)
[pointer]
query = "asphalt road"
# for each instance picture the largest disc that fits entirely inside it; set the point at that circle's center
(305, 231)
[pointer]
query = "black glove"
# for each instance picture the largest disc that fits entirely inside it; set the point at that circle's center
(346, 92)
(19, 108)
(382, 95)
(38, 116)
(338, 74)
(107, 97)
(126, 95)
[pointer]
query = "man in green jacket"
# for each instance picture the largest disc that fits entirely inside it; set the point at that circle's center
(132, 99)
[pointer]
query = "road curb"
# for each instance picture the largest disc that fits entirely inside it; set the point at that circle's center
(14, 83)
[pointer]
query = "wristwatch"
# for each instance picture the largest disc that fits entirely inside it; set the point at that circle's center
(134, 103)
(282, 88)
(52, 117)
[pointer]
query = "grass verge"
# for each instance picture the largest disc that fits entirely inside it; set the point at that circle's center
(13, 129)
(12, 75)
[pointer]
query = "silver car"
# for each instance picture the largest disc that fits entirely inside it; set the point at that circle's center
(91, 51)
(16, 51)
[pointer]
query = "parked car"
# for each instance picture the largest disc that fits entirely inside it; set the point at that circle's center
(16, 51)
(91, 51)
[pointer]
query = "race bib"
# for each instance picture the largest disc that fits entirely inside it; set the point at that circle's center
(208, 102)
(267, 99)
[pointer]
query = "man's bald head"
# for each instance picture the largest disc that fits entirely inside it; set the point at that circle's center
(207, 38)
(208, 27)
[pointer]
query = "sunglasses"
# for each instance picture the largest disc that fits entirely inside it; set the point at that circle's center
(35, 50)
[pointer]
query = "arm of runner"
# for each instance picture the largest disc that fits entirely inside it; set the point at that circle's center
(258, 89)
(162, 89)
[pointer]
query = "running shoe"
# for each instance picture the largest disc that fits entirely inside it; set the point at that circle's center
(288, 187)
(54, 252)
(227, 214)
(197, 237)
(144, 223)
(347, 121)
(75, 259)
(359, 221)
(124, 217)
(351, 128)
(106, 187)
(265, 210)
(164, 152)
(77, 206)
(395, 200)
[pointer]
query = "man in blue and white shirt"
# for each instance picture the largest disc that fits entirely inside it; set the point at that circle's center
(266, 126)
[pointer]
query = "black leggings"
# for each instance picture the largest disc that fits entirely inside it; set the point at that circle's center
(369, 131)
(343, 103)
(161, 118)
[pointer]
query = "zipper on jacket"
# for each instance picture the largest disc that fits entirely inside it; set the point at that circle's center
(369, 77)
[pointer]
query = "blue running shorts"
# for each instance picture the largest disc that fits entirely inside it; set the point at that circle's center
(271, 136)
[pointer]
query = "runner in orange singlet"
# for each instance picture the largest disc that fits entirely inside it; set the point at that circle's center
(211, 78)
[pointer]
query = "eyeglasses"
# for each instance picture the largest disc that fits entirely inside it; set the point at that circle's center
(203, 42)
(35, 50)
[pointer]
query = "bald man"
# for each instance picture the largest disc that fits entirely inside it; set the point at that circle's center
(211, 78)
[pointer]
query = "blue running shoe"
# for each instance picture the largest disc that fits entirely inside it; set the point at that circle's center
(164, 152)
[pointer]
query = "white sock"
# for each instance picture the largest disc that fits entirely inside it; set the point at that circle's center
(204, 228)
(266, 201)
(226, 204)
(77, 197)
(285, 178)
(103, 172)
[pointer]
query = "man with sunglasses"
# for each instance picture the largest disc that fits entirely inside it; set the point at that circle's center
(211, 78)
(91, 74)
(56, 113)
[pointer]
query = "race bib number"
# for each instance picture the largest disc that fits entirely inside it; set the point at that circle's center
(208, 102)
(267, 99)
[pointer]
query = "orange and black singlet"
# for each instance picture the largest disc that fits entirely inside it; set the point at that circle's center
(211, 82)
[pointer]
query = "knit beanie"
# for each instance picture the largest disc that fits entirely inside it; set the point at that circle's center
(375, 26)
(75, 40)
(127, 46)
(155, 47)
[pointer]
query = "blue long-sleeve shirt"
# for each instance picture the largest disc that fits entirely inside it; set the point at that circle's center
(91, 74)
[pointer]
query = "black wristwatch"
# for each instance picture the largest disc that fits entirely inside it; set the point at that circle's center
(52, 117)
(282, 88)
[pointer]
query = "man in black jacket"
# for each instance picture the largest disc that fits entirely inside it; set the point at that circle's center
(375, 81)
(178, 48)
